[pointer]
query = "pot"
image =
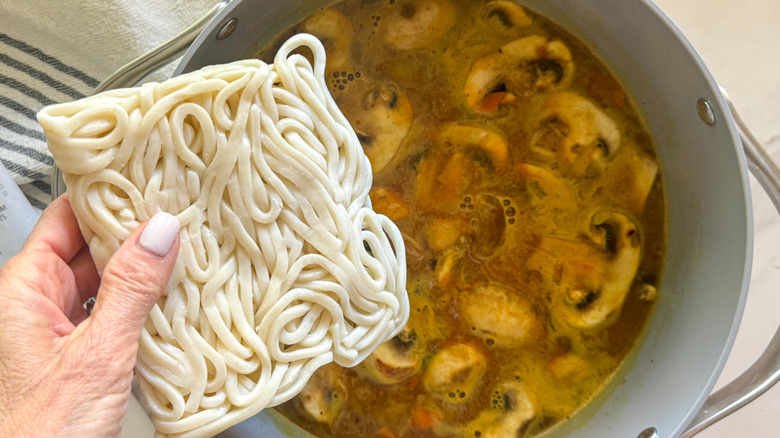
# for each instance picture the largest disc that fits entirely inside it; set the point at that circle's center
(663, 387)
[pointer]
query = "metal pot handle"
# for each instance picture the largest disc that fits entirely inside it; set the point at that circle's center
(765, 371)
(133, 72)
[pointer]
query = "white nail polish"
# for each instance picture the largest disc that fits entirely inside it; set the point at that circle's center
(159, 234)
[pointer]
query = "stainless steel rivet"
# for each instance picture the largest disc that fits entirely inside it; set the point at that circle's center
(227, 29)
(650, 432)
(705, 111)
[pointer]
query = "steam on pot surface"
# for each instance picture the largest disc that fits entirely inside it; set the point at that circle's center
(528, 193)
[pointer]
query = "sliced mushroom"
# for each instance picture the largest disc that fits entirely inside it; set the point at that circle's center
(630, 179)
(443, 178)
(508, 13)
(415, 24)
(579, 260)
(500, 315)
(455, 372)
(520, 68)
(489, 226)
(393, 361)
(467, 137)
(334, 29)
(569, 366)
(444, 232)
(574, 133)
(619, 237)
(648, 292)
(590, 278)
(547, 190)
(518, 406)
(324, 394)
(381, 115)
(447, 272)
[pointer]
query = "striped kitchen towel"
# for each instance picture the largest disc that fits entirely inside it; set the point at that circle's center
(55, 51)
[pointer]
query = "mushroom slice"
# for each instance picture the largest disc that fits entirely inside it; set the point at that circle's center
(393, 361)
(465, 137)
(489, 226)
(590, 278)
(508, 13)
(518, 406)
(631, 179)
(415, 24)
(447, 267)
(381, 115)
(595, 277)
(546, 189)
(455, 372)
(520, 68)
(444, 232)
(500, 315)
(324, 394)
(334, 29)
(444, 177)
(620, 238)
(569, 367)
(574, 133)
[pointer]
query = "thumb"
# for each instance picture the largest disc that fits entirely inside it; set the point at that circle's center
(134, 278)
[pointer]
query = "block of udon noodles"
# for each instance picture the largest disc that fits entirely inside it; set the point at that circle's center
(283, 267)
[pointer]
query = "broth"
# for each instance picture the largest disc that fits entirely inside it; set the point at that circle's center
(527, 189)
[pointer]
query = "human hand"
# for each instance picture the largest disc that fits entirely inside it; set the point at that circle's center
(62, 372)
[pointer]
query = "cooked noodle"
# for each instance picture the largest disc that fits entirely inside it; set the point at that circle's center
(283, 268)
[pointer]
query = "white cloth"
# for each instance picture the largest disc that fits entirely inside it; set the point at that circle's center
(55, 51)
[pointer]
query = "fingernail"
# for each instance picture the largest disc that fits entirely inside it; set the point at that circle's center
(159, 234)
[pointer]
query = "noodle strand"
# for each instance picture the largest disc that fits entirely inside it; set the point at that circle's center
(283, 267)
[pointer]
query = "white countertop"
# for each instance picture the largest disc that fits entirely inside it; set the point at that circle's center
(740, 43)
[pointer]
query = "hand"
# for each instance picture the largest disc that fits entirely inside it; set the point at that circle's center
(62, 372)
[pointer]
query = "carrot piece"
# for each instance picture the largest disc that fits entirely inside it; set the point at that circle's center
(491, 101)
(388, 203)
(385, 432)
(414, 382)
(423, 418)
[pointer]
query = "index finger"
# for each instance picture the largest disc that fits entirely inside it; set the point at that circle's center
(57, 231)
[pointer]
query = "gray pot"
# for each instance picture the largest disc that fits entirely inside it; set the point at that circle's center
(662, 389)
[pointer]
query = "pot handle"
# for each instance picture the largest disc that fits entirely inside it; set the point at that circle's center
(765, 371)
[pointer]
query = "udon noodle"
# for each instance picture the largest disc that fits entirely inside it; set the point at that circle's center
(283, 268)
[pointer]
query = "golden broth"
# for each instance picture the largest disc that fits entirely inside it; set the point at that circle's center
(527, 190)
